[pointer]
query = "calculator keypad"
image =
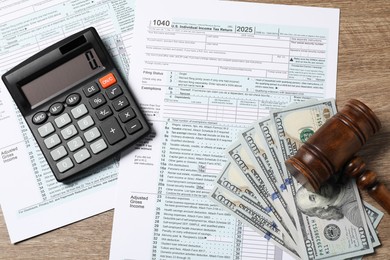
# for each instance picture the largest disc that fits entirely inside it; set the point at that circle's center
(79, 111)
(75, 144)
(98, 146)
(126, 115)
(56, 108)
(73, 99)
(133, 126)
(68, 132)
(90, 90)
(81, 155)
(65, 164)
(103, 112)
(107, 81)
(46, 129)
(58, 153)
(92, 134)
(99, 116)
(113, 92)
(62, 120)
(97, 100)
(52, 141)
(112, 131)
(85, 122)
(120, 103)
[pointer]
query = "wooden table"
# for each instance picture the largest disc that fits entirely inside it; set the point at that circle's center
(363, 73)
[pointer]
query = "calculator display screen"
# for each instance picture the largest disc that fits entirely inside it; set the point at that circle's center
(62, 77)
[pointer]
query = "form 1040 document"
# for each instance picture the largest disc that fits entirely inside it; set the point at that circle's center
(202, 71)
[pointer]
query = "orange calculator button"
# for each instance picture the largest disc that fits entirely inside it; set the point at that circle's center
(107, 80)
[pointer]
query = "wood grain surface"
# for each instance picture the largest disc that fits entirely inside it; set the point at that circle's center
(363, 73)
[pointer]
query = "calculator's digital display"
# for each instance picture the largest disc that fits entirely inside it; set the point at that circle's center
(62, 77)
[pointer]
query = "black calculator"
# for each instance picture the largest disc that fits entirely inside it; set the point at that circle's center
(76, 103)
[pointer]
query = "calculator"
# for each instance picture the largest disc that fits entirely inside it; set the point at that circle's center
(76, 104)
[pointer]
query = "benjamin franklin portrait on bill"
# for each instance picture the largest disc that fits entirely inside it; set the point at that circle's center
(332, 202)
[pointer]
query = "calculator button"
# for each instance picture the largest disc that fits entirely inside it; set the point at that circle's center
(82, 155)
(90, 90)
(68, 132)
(103, 112)
(58, 153)
(52, 141)
(107, 80)
(62, 120)
(79, 111)
(56, 108)
(46, 129)
(126, 115)
(73, 99)
(112, 130)
(75, 144)
(85, 122)
(97, 100)
(39, 118)
(113, 92)
(120, 103)
(133, 126)
(98, 146)
(92, 134)
(65, 164)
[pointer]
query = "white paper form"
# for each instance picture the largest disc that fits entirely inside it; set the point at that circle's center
(32, 200)
(204, 70)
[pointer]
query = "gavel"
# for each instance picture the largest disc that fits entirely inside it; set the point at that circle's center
(331, 151)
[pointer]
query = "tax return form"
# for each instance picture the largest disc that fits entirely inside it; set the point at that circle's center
(204, 70)
(32, 201)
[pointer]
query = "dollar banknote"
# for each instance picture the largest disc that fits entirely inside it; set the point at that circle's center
(294, 125)
(332, 222)
(239, 156)
(260, 155)
(373, 216)
(233, 180)
(255, 187)
(253, 218)
(267, 131)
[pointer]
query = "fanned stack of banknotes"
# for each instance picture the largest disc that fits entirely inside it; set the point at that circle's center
(255, 187)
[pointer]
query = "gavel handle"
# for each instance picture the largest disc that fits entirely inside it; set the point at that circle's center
(366, 179)
(382, 195)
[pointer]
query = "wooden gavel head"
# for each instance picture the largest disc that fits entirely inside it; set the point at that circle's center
(331, 150)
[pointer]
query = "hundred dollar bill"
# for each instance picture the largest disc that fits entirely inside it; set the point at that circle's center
(256, 145)
(266, 130)
(239, 157)
(233, 180)
(371, 231)
(251, 217)
(373, 216)
(295, 125)
(332, 222)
